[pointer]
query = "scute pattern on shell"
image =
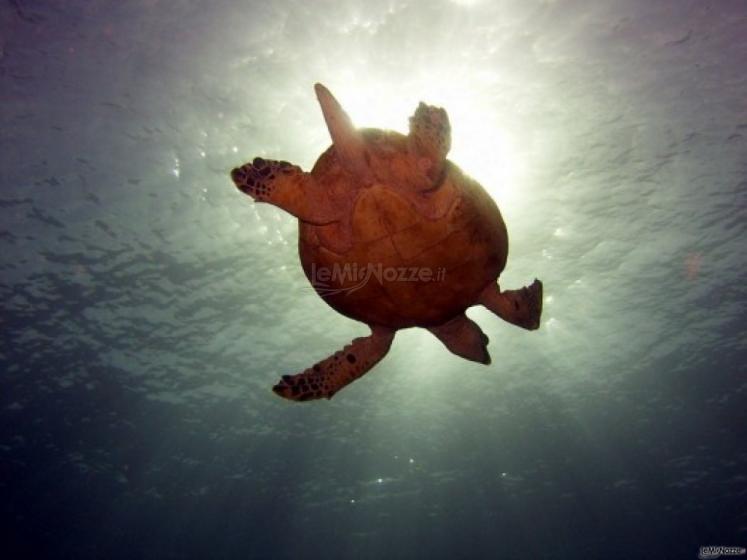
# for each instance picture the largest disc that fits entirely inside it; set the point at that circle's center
(459, 238)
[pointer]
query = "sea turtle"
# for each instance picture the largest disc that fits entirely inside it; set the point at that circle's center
(392, 234)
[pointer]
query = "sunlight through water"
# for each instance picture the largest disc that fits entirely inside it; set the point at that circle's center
(149, 306)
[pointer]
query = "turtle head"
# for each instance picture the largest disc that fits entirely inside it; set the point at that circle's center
(430, 138)
(347, 140)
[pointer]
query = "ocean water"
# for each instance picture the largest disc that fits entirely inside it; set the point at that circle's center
(148, 307)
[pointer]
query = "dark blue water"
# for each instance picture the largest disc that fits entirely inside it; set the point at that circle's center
(148, 307)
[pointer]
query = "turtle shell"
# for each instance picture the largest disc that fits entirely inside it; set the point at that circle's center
(416, 259)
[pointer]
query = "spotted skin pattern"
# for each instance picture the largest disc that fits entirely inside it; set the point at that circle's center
(256, 179)
(325, 378)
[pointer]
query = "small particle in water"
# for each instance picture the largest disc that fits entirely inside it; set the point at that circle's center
(379, 480)
(693, 262)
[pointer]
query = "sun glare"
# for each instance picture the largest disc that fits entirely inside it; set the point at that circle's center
(480, 145)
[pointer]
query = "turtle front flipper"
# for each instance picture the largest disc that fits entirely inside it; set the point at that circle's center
(522, 308)
(349, 144)
(288, 187)
(325, 378)
(430, 139)
(464, 338)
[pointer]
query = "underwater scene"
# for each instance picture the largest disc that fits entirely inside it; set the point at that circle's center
(499, 247)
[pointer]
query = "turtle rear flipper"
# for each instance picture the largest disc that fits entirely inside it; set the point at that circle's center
(325, 378)
(522, 308)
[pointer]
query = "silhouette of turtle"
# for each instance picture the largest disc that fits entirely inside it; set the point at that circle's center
(392, 234)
